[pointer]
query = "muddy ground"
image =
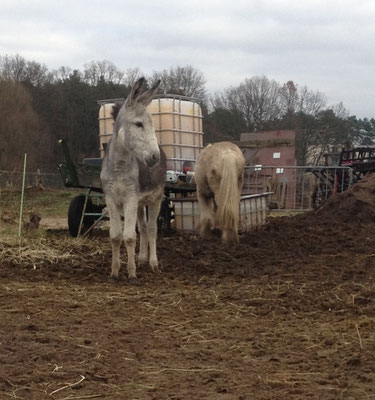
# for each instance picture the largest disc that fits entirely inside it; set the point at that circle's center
(288, 313)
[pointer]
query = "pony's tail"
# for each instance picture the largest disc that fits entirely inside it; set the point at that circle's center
(228, 199)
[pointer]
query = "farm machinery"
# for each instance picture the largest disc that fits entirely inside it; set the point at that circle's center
(342, 170)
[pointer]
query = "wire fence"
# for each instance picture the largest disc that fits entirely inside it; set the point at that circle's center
(10, 179)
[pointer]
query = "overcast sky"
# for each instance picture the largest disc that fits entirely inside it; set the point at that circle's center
(326, 45)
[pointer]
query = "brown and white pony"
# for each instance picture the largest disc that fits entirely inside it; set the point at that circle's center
(133, 178)
(219, 177)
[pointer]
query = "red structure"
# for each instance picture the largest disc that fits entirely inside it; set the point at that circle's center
(274, 149)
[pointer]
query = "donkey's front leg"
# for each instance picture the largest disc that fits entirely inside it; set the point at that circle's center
(130, 237)
(152, 231)
(143, 241)
(115, 236)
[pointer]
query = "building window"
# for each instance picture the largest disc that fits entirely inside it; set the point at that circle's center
(258, 167)
(276, 155)
(279, 170)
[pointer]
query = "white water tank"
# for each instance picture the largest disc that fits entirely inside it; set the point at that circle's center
(178, 128)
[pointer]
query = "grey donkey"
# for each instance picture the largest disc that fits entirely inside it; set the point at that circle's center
(133, 177)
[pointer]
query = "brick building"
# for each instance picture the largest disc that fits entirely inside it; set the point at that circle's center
(275, 150)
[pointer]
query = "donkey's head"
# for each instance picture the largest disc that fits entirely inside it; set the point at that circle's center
(134, 124)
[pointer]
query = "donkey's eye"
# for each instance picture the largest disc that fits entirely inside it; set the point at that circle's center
(139, 124)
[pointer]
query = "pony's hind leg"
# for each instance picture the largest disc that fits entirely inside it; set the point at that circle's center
(207, 217)
(152, 231)
(115, 234)
(229, 236)
(143, 241)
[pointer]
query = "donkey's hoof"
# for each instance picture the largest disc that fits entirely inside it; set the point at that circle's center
(133, 281)
(155, 268)
(113, 279)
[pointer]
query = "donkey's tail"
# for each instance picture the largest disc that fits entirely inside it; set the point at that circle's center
(228, 198)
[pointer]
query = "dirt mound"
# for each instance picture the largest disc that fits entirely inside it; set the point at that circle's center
(355, 204)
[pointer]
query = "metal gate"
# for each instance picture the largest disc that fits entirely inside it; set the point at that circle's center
(298, 188)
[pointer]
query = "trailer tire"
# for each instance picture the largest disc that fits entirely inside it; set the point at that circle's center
(75, 214)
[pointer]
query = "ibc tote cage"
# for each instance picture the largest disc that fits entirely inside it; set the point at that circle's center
(181, 145)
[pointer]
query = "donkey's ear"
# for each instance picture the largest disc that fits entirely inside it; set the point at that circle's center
(135, 92)
(146, 97)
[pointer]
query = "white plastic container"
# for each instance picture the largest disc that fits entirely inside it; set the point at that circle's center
(178, 128)
(106, 123)
(253, 212)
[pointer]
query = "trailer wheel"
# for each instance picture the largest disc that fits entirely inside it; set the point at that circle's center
(75, 214)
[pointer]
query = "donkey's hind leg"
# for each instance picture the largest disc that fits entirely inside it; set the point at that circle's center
(143, 241)
(207, 217)
(115, 234)
(152, 231)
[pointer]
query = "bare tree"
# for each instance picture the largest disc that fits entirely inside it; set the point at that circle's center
(340, 110)
(12, 68)
(296, 99)
(17, 69)
(227, 99)
(186, 81)
(131, 76)
(37, 74)
(163, 76)
(62, 74)
(310, 102)
(289, 97)
(258, 99)
(104, 70)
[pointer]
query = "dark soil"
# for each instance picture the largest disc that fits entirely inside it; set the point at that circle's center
(288, 313)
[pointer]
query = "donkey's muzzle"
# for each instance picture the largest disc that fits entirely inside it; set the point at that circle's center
(153, 159)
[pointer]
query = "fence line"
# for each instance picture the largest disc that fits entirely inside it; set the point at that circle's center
(46, 179)
(297, 188)
(294, 187)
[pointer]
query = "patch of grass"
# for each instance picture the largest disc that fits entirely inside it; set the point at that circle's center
(51, 205)
(54, 203)
(8, 230)
(46, 202)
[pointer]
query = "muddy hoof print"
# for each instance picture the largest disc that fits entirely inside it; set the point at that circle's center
(133, 281)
